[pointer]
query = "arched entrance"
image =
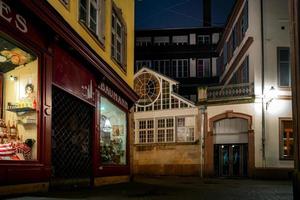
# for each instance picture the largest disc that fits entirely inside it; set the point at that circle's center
(229, 145)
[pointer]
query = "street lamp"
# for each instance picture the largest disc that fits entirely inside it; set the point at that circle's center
(270, 96)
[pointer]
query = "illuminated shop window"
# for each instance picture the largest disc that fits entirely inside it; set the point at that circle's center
(286, 139)
(18, 99)
(113, 134)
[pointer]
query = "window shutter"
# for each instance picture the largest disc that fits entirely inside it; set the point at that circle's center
(124, 46)
(102, 20)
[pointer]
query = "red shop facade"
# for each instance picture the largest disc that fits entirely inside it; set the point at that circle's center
(64, 112)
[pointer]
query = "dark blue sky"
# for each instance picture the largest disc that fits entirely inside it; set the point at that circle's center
(155, 14)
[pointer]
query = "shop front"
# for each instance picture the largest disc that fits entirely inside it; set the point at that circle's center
(64, 112)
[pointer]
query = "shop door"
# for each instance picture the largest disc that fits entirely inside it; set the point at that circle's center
(71, 141)
(231, 160)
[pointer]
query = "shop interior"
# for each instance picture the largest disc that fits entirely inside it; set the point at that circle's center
(18, 99)
(113, 134)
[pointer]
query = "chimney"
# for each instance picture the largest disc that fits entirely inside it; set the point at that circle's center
(206, 13)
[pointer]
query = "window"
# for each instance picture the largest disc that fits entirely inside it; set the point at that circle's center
(19, 102)
(91, 14)
(185, 129)
(143, 41)
(245, 18)
(165, 94)
(113, 134)
(180, 39)
(284, 67)
(162, 66)
(161, 41)
(234, 38)
(242, 74)
(220, 65)
(203, 68)
(181, 68)
(139, 64)
(165, 130)
(203, 39)
(146, 131)
(118, 40)
(66, 3)
(286, 139)
(225, 54)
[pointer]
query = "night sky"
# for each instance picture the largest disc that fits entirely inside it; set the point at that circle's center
(156, 14)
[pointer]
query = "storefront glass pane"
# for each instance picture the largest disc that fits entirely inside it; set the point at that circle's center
(18, 99)
(113, 134)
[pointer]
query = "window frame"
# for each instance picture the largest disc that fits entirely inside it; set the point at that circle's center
(177, 71)
(281, 141)
(29, 48)
(278, 67)
(204, 60)
(119, 20)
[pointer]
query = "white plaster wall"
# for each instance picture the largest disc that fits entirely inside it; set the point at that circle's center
(275, 17)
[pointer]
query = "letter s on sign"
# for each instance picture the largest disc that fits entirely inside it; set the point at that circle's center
(21, 23)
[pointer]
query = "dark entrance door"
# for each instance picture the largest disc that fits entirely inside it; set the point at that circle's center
(231, 160)
(71, 141)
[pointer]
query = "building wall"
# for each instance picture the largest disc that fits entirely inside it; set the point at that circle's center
(174, 158)
(71, 16)
(167, 159)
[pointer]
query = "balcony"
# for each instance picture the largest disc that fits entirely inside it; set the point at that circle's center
(227, 93)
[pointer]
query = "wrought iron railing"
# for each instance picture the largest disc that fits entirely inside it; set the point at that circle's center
(230, 92)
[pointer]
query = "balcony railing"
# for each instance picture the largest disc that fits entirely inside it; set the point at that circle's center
(230, 92)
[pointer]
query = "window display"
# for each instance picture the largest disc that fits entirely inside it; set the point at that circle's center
(113, 134)
(18, 99)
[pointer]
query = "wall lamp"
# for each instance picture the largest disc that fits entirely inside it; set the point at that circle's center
(270, 96)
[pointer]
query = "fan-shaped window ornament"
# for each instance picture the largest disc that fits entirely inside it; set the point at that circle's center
(147, 86)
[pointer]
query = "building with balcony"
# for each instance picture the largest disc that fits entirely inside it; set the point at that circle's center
(186, 55)
(248, 127)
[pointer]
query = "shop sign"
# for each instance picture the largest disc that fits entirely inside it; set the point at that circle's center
(72, 75)
(16, 19)
(112, 94)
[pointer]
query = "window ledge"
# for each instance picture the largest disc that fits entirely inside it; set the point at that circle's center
(92, 35)
(168, 144)
(122, 67)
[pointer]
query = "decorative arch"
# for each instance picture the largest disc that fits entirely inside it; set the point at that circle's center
(209, 144)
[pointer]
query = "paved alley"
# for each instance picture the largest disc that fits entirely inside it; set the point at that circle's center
(181, 188)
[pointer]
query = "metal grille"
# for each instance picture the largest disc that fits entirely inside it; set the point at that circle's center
(71, 137)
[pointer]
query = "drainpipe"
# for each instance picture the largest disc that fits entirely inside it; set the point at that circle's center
(201, 137)
(263, 84)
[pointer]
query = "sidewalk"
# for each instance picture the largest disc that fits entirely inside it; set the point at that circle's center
(170, 188)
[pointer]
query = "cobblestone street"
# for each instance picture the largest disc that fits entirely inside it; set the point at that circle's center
(181, 188)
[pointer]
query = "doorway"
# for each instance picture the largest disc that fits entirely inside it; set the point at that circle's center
(71, 141)
(231, 160)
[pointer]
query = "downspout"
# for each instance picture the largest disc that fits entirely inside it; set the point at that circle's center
(201, 138)
(263, 127)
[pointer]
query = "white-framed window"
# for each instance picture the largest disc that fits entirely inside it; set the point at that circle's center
(146, 131)
(165, 130)
(161, 40)
(143, 41)
(203, 68)
(92, 15)
(162, 66)
(185, 129)
(139, 64)
(181, 68)
(118, 39)
(203, 39)
(180, 39)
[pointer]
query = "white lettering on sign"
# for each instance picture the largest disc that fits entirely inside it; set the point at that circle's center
(20, 21)
(87, 91)
(107, 90)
